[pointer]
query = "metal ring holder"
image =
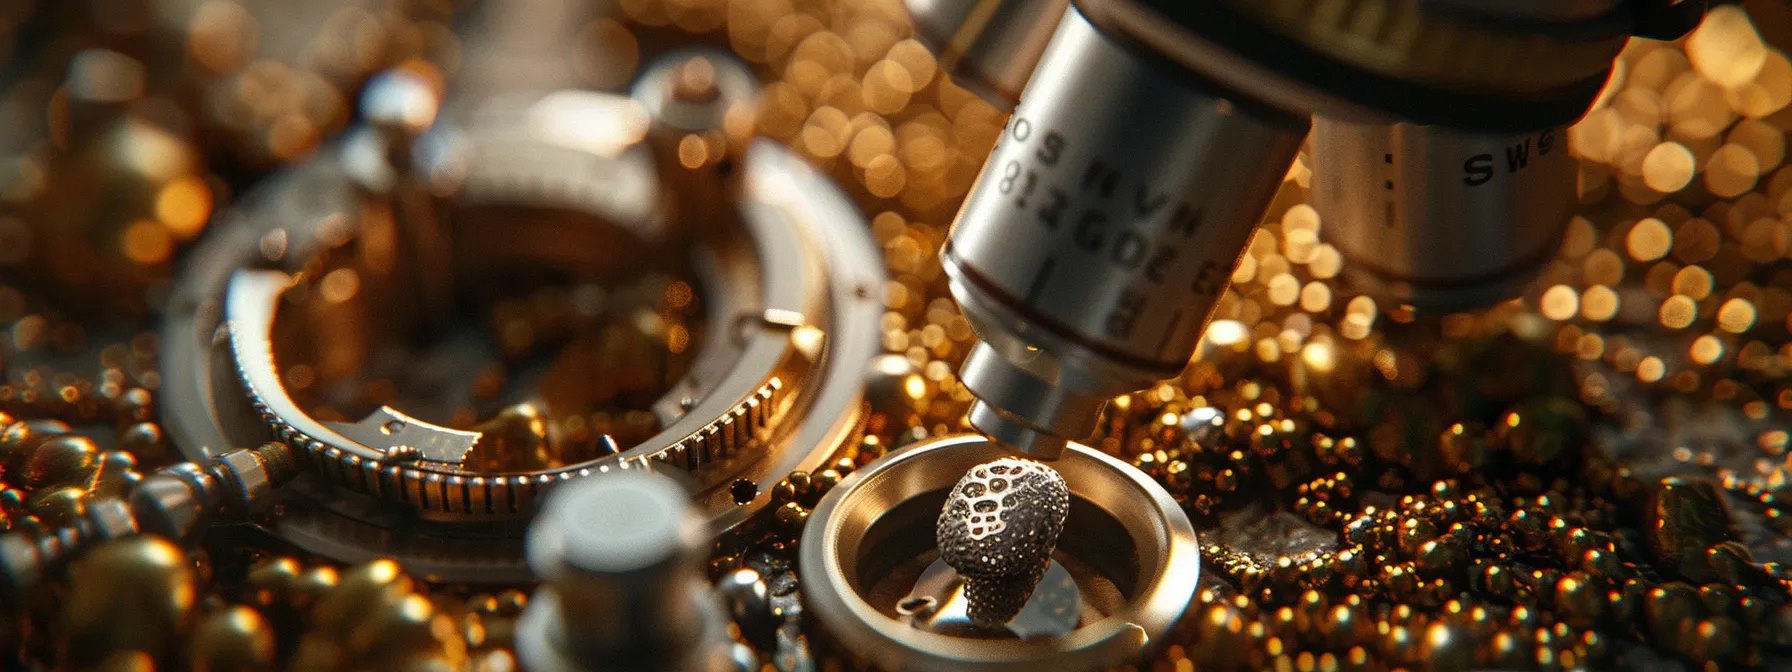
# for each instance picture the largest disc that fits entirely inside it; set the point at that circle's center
(1127, 535)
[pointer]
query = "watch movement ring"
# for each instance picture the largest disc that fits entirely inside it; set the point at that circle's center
(731, 415)
(780, 389)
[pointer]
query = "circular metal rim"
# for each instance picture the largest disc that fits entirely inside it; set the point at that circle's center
(780, 183)
(892, 645)
(258, 232)
(732, 413)
(720, 425)
(832, 417)
(826, 414)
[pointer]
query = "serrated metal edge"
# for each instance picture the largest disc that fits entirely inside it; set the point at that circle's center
(460, 493)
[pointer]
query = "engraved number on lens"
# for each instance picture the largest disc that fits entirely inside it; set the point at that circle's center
(1127, 248)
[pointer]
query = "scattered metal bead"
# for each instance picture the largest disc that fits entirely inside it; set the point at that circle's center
(231, 640)
(132, 594)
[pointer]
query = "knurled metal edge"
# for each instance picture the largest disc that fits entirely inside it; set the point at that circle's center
(447, 490)
(460, 493)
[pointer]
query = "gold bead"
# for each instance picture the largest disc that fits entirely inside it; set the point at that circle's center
(345, 606)
(69, 459)
(117, 474)
(127, 661)
(59, 507)
(273, 581)
(135, 405)
(888, 393)
(313, 586)
(236, 638)
(19, 440)
(146, 441)
(511, 602)
(515, 438)
(402, 629)
(130, 594)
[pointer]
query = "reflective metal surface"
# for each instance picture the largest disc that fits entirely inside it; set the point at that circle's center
(1123, 526)
(1101, 233)
(774, 387)
(621, 591)
(991, 46)
(1439, 219)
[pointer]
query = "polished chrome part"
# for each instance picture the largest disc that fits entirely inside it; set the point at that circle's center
(1223, 66)
(1101, 234)
(1131, 532)
(741, 387)
(398, 107)
(989, 46)
(779, 188)
(1536, 63)
(701, 100)
(390, 429)
(1439, 219)
(618, 556)
(695, 97)
(942, 602)
(749, 604)
(382, 439)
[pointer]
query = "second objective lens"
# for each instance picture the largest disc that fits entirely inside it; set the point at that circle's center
(1439, 219)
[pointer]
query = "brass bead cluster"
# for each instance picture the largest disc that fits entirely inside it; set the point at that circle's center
(48, 473)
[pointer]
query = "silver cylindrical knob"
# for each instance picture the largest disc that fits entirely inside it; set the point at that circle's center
(1439, 219)
(989, 47)
(693, 90)
(101, 85)
(618, 556)
(702, 104)
(1102, 232)
(417, 254)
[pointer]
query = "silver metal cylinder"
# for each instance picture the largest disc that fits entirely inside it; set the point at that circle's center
(1438, 219)
(989, 46)
(398, 107)
(691, 90)
(689, 94)
(618, 557)
(1103, 230)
